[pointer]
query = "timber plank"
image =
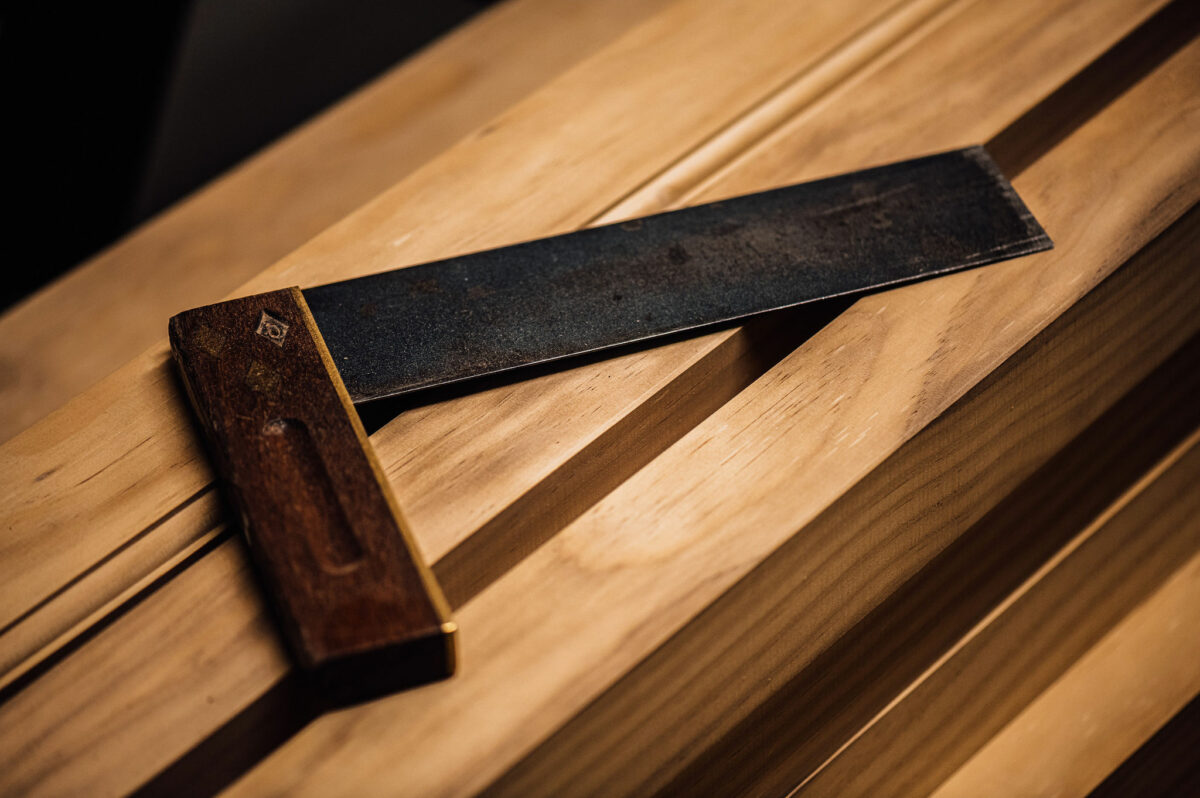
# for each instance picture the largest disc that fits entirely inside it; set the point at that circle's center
(260, 651)
(83, 465)
(1035, 636)
(566, 622)
(1114, 697)
(209, 244)
(147, 688)
(764, 735)
(103, 588)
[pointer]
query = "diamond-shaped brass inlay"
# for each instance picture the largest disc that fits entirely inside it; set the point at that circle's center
(272, 328)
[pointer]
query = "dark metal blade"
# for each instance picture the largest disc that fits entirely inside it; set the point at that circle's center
(530, 303)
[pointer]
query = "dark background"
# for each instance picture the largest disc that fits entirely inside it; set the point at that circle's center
(114, 111)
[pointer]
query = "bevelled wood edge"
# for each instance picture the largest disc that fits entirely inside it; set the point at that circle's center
(359, 608)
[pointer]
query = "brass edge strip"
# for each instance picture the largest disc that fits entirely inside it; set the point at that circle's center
(441, 607)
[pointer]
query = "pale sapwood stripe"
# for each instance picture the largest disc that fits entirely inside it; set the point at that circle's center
(144, 742)
(784, 688)
(1112, 700)
(90, 464)
(76, 331)
(568, 621)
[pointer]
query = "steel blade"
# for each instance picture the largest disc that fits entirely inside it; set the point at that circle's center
(502, 309)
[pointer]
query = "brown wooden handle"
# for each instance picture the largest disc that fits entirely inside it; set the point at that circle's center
(358, 606)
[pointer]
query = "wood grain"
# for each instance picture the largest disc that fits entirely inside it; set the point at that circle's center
(62, 506)
(221, 236)
(262, 655)
(183, 636)
(79, 464)
(620, 580)
(1123, 689)
(571, 443)
(150, 736)
(1031, 639)
(570, 446)
(774, 707)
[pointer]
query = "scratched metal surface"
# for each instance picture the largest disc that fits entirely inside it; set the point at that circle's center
(502, 309)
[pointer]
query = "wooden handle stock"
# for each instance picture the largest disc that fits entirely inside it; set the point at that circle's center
(358, 607)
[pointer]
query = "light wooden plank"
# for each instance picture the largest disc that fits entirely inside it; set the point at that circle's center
(781, 699)
(85, 465)
(77, 330)
(1098, 713)
(87, 744)
(556, 630)
(103, 587)
(1033, 638)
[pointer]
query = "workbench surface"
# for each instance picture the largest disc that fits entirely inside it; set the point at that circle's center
(944, 541)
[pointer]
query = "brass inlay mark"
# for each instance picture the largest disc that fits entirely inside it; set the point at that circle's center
(272, 328)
